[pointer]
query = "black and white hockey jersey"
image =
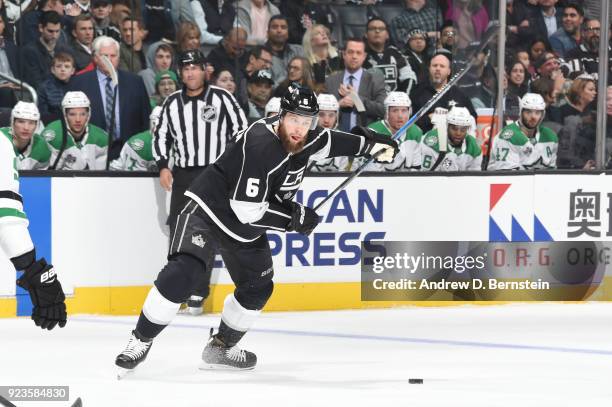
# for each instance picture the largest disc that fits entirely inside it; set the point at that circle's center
(247, 190)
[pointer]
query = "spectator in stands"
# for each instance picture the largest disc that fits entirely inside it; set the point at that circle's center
(83, 5)
(548, 66)
(30, 148)
(159, 58)
(8, 65)
(320, 52)
(75, 143)
(28, 27)
(355, 82)
(133, 49)
(254, 16)
(224, 79)
(260, 91)
(546, 19)
(215, 19)
(545, 87)
(522, 56)
(282, 52)
(229, 54)
(303, 15)
(448, 36)
(536, 48)
(166, 83)
(422, 14)
(101, 11)
(386, 58)
(585, 58)
(37, 56)
(259, 57)
(470, 18)
(52, 90)
(82, 38)
(439, 74)
(580, 96)
(298, 70)
(122, 9)
(518, 79)
(187, 36)
(416, 53)
(131, 113)
(519, 27)
(568, 37)
(157, 15)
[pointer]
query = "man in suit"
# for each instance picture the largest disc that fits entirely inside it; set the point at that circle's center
(370, 88)
(545, 19)
(132, 108)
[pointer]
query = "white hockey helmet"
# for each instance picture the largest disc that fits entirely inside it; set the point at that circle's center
(397, 99)
(154, 117)
(532, 101)
(75, 99)
(25, 110)
(273, 106)
(328, 102)
(400, 99)
(459, 116)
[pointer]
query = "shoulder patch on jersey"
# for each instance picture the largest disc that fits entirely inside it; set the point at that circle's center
(137, 144)
(49, 135)
(507, 134)
(431, 140)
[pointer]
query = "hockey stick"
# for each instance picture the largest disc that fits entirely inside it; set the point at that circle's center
(442, 142)
(487, 38)
(6, 403)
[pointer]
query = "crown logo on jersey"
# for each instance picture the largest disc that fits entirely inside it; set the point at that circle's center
(198, 240)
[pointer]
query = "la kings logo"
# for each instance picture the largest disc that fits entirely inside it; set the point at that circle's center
(209, 113)
(198, 240)
(292, 182)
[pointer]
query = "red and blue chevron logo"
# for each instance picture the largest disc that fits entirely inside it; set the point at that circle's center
(505, 220)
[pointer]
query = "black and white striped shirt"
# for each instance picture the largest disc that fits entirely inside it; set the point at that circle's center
(194, 130)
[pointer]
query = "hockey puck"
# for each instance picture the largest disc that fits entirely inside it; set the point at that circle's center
(415, 381)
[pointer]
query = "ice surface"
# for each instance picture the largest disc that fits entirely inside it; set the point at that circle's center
(511, 355)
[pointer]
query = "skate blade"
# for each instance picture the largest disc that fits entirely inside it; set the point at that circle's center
(214, 366)
(123, 372)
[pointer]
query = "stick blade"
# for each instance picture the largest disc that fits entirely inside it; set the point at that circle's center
(77, 403)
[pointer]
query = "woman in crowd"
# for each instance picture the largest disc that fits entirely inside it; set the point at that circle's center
(299, 71)
(537, 47)
(580, 97)
(320, 53)
(224, 79)
(518, 79)
(416, 53)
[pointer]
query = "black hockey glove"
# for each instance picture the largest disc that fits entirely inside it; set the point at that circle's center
(46, 293)
(377, 145)
(303, 219)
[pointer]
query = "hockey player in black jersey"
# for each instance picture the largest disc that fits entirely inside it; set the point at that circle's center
(246, 192)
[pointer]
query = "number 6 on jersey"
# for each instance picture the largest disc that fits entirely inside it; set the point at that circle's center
(252, 187)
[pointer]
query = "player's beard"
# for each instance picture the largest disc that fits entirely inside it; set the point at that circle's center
(289, 145)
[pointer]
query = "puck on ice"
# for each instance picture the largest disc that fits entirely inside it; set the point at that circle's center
(415, 381)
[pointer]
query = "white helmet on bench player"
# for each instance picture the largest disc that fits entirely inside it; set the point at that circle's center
(26, 111)
(459, 116)
(328, 102)
(394, 99)
(273, 106)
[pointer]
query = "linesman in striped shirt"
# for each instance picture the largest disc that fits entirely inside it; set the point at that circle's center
(194, 126)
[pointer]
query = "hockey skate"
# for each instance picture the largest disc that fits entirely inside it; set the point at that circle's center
(134, 353)
(218, 356)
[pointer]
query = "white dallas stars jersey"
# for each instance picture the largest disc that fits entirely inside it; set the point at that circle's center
(513, 150)
(467, 157)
